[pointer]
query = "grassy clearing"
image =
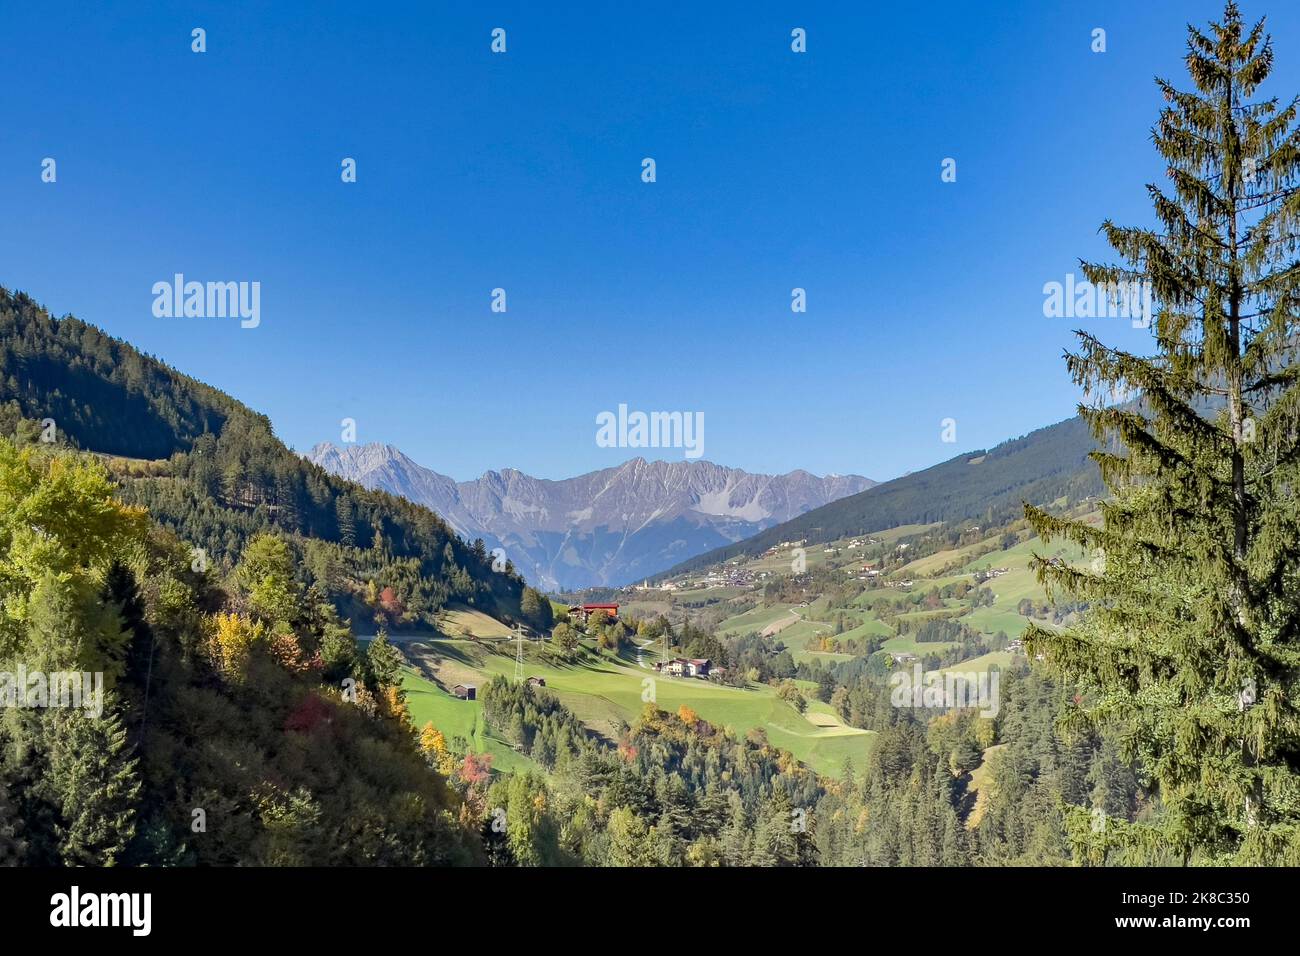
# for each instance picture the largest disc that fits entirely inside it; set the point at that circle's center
(755, 620)
(467, 622)
(605, 694)
(910, 645)
(990, 620)
(871, 627)
(1000, 659)
(458, 718)
(933, 563)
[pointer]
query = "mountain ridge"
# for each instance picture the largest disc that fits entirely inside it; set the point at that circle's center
(990, 484)
(609, 526)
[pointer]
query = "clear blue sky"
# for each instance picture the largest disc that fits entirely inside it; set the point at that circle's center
(522, 171)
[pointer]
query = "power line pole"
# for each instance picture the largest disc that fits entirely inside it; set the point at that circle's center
(519, 654)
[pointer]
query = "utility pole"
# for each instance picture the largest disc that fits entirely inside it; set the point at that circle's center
(519, 654)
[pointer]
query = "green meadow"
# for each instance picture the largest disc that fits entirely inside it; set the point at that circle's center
(607, 694)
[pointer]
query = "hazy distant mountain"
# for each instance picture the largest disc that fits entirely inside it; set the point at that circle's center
(1048, 464)
(612, 526)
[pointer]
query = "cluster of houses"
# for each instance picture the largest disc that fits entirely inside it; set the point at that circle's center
(776, 549)
(700, 667)
(725, 577)
(729, 577)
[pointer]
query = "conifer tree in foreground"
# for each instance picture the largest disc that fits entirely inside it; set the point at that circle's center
(1190, 653)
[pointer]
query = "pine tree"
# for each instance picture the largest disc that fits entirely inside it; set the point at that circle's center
(1191, 648)
(347, 526)
(737, 838)
(93, 782)
(384, 662)
(121, 593)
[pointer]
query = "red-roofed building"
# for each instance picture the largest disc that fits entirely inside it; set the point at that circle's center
(584, 611)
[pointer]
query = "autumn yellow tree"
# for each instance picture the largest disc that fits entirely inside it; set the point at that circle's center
(394, 706)
(234, 637)
(434, 744)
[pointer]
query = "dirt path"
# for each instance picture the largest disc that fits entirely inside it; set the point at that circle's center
(776, 627)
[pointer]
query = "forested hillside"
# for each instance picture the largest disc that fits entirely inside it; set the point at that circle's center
(217, 475)
(989, 486)
(238, 721)
(102, 393)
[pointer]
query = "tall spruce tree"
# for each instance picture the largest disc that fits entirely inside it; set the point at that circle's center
(93, 781)
(1191, 648)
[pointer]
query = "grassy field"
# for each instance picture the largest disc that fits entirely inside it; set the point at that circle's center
(717, 592)
(990, 620)
(933, 563)
(902, 531)
(910, 645)
(458, 718)
(1000, 659)
(870, 627)
(755, 620)
(467, 622)
(605, 694)
(646, 607)
(916, 617)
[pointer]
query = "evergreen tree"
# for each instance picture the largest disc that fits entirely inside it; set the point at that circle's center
(346, 525)
(1191, 648)
(384, 662)
(737, 838)
(92, 780)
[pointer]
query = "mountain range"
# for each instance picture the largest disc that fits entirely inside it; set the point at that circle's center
(1050, 464)
(613, 526)
(607, 527)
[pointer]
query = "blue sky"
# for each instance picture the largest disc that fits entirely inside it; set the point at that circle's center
(522, 171)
